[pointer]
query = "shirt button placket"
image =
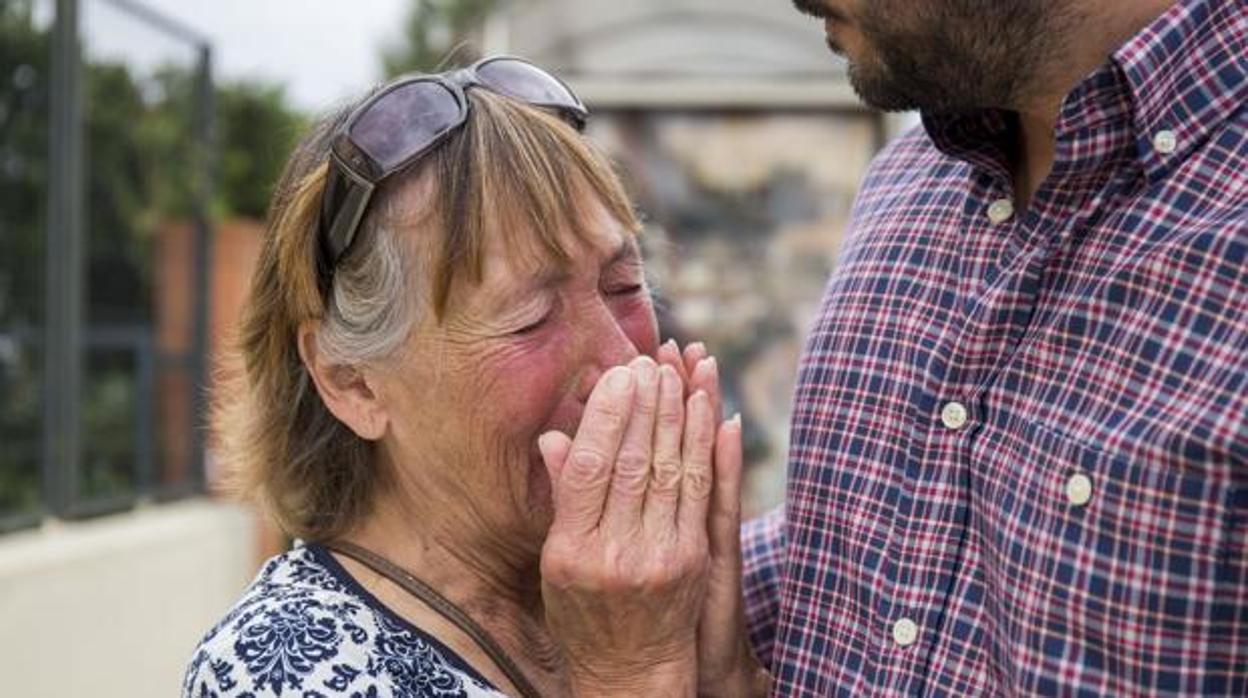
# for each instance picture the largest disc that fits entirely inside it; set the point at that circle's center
(1165, 142)
(1079, 489)
(954, 415)
(905, 632)
(1000, 211)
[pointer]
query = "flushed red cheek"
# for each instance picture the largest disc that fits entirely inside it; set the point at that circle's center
(527, 385)
(531, 395)
(535, 385)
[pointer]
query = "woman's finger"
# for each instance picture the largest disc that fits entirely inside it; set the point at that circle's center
(723, 648)
(724, 527)
(581, 489)
(692, 354)
(669, 355)
(554, 447)
(705, 377)
(632, 463)
(698, 479)
(663, 495)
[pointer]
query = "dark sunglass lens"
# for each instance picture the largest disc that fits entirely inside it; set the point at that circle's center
(405, 121)
(526, 82)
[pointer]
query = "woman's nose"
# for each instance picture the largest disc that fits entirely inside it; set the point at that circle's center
(606, 345)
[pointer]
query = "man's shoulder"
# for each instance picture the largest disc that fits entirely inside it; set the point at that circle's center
(909, 146)
(908, 165)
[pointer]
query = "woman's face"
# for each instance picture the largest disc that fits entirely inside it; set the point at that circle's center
(512, 358)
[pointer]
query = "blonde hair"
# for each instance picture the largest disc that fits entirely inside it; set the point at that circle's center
(283, 447)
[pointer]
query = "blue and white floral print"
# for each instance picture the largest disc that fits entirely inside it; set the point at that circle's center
(306, 628)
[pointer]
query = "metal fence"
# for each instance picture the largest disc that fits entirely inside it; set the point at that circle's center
(103, 362)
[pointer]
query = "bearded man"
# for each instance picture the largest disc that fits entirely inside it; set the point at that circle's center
(1019, 455)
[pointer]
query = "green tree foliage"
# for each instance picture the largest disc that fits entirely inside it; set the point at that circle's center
(256, 131)
(24, 111)
(438, 32)
(139, 175)
(138, 168)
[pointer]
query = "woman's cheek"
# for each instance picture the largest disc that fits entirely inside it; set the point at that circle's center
(529, 378)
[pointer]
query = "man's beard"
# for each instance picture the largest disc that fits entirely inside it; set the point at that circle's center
(957, 55)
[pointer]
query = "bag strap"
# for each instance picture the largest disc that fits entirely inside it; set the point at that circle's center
(414, 586)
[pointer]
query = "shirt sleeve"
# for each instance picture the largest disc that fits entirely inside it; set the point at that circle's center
(762, 549)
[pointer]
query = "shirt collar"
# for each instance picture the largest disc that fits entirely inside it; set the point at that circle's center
(1188, 74)
(1177, 80)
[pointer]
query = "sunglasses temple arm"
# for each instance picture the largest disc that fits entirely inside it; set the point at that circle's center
(346, 222)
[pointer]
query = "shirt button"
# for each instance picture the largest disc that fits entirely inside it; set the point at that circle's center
(1079, 489)
(905, 632)
(1165, 142)
(953, 415)
(1000, 211)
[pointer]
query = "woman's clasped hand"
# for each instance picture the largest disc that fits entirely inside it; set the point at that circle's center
(645, 533)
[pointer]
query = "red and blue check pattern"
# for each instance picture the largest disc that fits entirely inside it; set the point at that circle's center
(1080, 525)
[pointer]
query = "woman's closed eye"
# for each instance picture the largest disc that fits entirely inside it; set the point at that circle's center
(532, 326)
(624, 289)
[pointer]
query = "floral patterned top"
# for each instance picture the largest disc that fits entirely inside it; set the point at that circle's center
(305, 627)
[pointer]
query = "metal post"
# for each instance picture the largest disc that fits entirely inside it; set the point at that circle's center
(204, 181)
(64, 262)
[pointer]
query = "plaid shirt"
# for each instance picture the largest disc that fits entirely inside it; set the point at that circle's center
(1019, 459)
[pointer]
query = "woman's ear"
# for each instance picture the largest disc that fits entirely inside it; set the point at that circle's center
(343, 388)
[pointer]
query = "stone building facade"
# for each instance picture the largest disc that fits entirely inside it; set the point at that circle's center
(743, 145)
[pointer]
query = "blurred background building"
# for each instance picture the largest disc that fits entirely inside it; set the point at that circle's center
(138, 145)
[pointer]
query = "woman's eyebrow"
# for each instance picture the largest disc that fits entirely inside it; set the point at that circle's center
(626, 251)
(502, 299)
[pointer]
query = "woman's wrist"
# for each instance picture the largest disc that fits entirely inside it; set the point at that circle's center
(748, 680)
(675, 679)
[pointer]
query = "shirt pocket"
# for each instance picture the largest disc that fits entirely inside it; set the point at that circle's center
(1102, 572)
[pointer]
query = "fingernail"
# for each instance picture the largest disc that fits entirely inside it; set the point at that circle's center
(545, 441)
(736, 419)
(706, 366)
(619, 379)
(671, 344)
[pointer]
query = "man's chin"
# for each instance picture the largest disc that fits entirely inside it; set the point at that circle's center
(876, 93)
(835, 47)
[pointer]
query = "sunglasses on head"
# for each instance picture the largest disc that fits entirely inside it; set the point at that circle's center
(408, 118)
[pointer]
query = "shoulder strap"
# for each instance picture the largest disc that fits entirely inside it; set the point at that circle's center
(442, 605)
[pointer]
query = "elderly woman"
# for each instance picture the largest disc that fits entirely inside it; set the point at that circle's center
(450, 274)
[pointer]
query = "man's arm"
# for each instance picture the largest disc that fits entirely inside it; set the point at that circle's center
(763, 550)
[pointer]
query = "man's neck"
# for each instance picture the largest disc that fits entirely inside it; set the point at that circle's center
(1103, 28)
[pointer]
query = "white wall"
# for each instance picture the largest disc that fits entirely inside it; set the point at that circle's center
(114, 606)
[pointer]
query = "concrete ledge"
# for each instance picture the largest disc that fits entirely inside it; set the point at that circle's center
(114, 606)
